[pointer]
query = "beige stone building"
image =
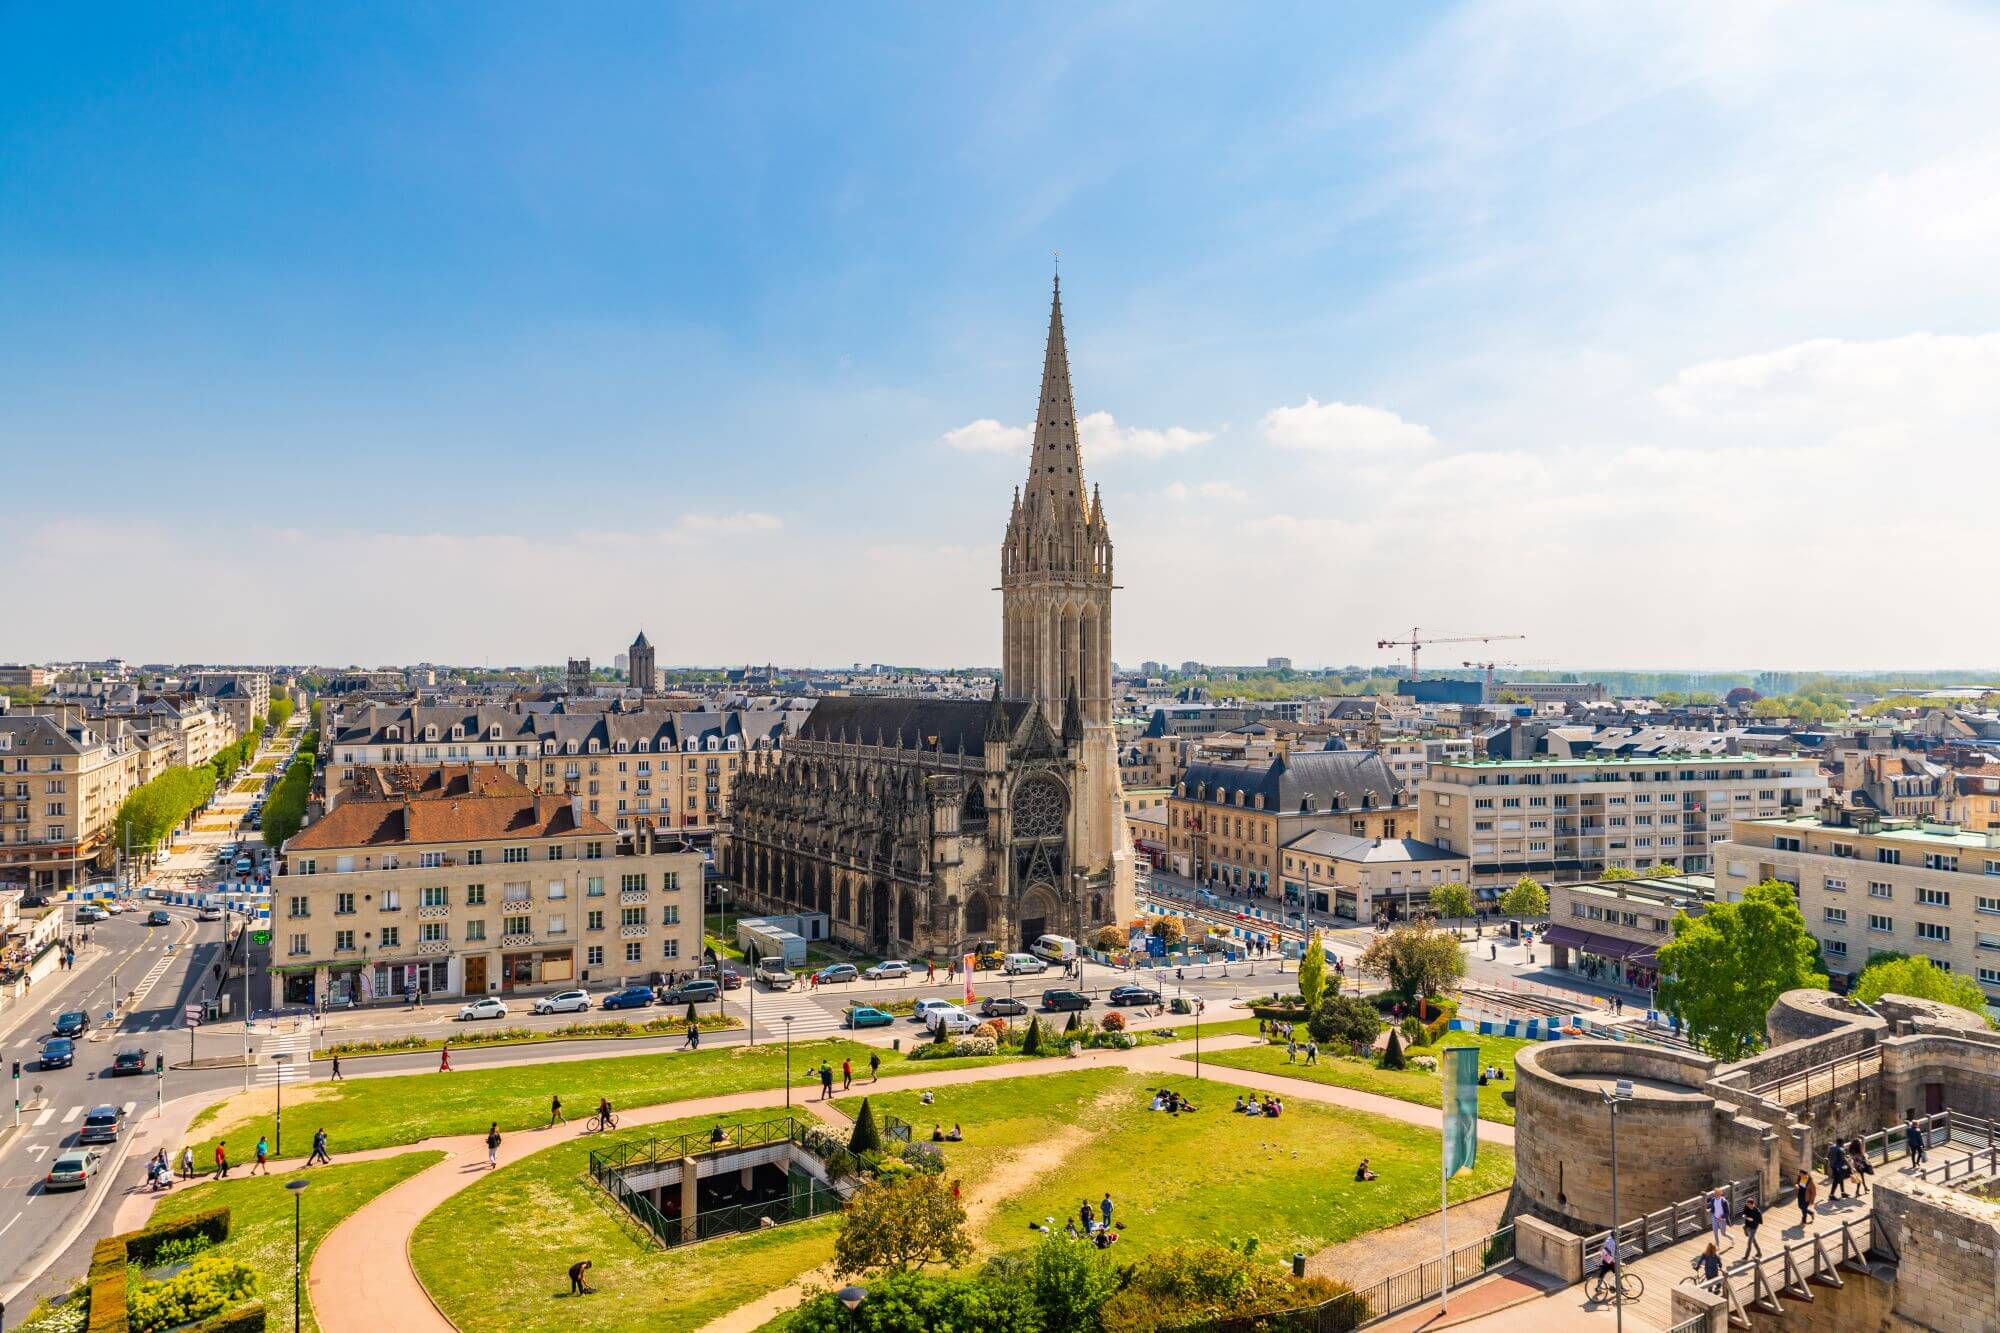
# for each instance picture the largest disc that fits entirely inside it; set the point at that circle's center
(450, 889)
(61, 781)
(1362, 879)
(1610, 931)
(244, 695)
(1869, 882)
(1575, 818)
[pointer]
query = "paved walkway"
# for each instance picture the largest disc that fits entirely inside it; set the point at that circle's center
(361, 1278)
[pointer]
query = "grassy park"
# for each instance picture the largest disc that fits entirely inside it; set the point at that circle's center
(1496, 1100)
(260, 1217)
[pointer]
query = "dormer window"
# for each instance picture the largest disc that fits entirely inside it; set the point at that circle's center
(458, 732)
(430, 733)
(493, 732)
(644, 745)
(392, 733)
(570, 747)
(623, 746)
(593, 745)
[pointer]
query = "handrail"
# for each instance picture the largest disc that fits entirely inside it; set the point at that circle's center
(1667, 1226)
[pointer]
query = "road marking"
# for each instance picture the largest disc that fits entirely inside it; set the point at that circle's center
(10, 1224)
(74, 1112)
(44, 1118)
(128, 1108)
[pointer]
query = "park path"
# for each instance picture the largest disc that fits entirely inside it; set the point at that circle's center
(362, 1280)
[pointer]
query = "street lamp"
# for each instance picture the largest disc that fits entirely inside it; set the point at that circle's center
(788, 1062)
(1621, 1092)
(851, 1297)
(298, 1188)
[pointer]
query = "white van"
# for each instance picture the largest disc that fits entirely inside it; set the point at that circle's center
(1055, 948)
(1018, 964)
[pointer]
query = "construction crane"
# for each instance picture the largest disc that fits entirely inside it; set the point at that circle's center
(1487, 667)
(1416, 643)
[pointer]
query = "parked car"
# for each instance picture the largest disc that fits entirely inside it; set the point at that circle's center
(774, 974)
(1133, 995)
(921, 1014)
(632, 997)
(244, 865)
(950, 1019)
(58, 1053)
(893, 970)
(837, 972)
(1060, 1000)
(72, 1023)
(71, 1170)
(730, 978)
(868, 1016)
(1023, 964)
(101, 1125)
(130, 1060)
(1001, 1006)
(1055, 948)
(158, 918)
(693, 992)
(563, 1002)
(90, 914)
(486, 1008)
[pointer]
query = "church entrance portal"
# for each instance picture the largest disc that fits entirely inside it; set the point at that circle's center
(878, 918)
(1037, 908)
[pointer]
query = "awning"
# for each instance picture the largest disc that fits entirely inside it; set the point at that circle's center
(1604, 946)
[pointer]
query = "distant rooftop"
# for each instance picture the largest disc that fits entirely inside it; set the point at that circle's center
(1902, 830)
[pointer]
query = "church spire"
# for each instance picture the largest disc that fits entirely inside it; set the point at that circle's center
(1055, 469)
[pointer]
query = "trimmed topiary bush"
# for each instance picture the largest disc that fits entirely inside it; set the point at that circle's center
(1392, 1056)
(866, 1137)
(1032, 1043)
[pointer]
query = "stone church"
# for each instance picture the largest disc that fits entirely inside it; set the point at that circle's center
(924, 826)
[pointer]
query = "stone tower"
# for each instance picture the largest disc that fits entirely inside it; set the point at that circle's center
(639, 669)
(576, 680)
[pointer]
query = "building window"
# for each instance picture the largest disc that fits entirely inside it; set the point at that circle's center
(1987, 904)
(475, 895)
(671, 916)
(514, 925)
(392, 900)
(343, 904)
(594, 956)
(559, 924)
(1931, 930)
(432, 932)
(1927, 897)
(475, 856)
(1834, 948)
(671, 881)
(436, 896)
(1881, 923)
(1888, 856)
(430, 860)
(299, 906)
(670, 949)
(1989, 976)
(513, 855)
(632, 883)
(1835, 916)
(593, 851)
(392, 937)
(299, 949)
(343, 941)
(1880, 889)
(634, 952)
(1835, 885)
(632, 916)
(475, 930)
(593, 921)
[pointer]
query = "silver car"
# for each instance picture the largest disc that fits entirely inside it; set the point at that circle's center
(563, 1002)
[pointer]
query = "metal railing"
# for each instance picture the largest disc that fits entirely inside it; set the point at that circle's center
(1692, 1324)
(1391, 1295)
(1825, 1077)
(1666, 1226)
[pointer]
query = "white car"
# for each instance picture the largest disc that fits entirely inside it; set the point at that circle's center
(486, 1008)
(922, 1013)
(889, 971)
(562, 1002)
(951, 1020)
(1018, 964)
(209, 914)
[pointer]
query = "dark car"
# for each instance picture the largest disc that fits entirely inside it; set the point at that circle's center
(131, 1060)
(1060, 1000)
(1001, 1006)
(632, 997)
(72, 1023)
(692, 992)
(1133, 995)
(101, 1125)
(58, 1053)
(158, 918)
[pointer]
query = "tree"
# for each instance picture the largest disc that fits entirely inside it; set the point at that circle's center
(1031, 1041)
(1344, 1019)
(901, 1224)
(1665, 869)
(1723, 970)
(1417, 960)
(1740, 696)
(1312, 973)
(866, 1138)
(1168, 930)
(1452, 901)
(900, 1301)
(282, 709)
(1392, 1054)
(1921, 978)
(1197, 1285)
(1527, 900)
(1069, 1282)
(1110, 939)
(1613, 873)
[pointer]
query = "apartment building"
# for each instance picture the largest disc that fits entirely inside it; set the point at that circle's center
(668, 771)
(448, 889)
(1409, 757)
(1361, 879)
(244, 695)
(1576, 818)
(61, 781)
(1228, 820)
(24, 677)
(1610, 931)
(1869, 882)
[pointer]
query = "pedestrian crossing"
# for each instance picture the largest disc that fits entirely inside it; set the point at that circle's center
(297, 1069)
(73, 1114)
(810, 1018)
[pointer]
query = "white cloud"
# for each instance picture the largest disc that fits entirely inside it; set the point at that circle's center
(748, 521)
(1104, 439)
(1343, 428)
(1181, 491)
(987, 436)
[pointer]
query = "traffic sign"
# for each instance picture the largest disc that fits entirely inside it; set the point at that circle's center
(260, 937)
(191, 1014)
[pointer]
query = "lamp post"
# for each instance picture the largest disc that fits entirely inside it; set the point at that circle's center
(282, 1060)
(1621, 1092)
(852, 1297)
(298, 1188)
(788, 1062)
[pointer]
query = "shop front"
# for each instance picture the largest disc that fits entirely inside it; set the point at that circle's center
(432, 976)
(1603, 958)
(537, 967)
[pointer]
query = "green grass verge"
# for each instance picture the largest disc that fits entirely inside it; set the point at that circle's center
(363, 1113)
(260, 1217)
(1212, 1175)
(1496, 1100)
(495, 1257)
(582, 1030)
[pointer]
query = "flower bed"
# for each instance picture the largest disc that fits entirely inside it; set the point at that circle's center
(617, 1028)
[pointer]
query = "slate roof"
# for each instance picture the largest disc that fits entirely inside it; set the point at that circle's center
(952, 725)
(1372, 851)
(1297, 782)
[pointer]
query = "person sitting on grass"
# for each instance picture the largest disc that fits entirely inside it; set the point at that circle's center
(1159, 1099)
(1253, 1106)
(1274, 1108)
(1364, 1172)
(926, 1098)
(1239, 1103)
(937, 1133)
(957, 1135)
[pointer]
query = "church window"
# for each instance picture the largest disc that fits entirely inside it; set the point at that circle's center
(1040, 809)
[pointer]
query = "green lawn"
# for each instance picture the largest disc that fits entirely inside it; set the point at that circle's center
(1212, 1175)
(260, 1217)
(1496, 1100)
(360, 1113)
(495, 1257)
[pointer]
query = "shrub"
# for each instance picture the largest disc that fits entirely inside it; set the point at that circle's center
(898, 1302)
(1194, 1285)
(1113, 1022)
(1412, 1030)
(971, 1043)
(1345, 1019)
(1110, 939)
(1075, 1022)
(866, 1138)
(205, 1287)
(1032, 1043)
(924, 1157)
(996, 1028)
(1392, 1056)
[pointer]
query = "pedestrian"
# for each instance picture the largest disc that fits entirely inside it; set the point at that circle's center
(825, 1081)
(1836, 1170)
(1808, 1190)
(493, 1146)
(1708, 1264)
(1312, 1052)
(874, 1065)
(336, 1066)
(846, 1075)
(444, 1058)
(693, 1041)
(1291, 1052)
(1718, 1218)
(187, 1162)
(319, 1149)
(1857, 1159)
(1104, 1208)
(556, 1116)
(1084, 1215)
(930, 972)
(1913, 1139)
(263, 1162)
(577, 1270)
(1753, 1217)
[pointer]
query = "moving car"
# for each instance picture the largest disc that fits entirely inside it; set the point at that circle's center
(72, 1023)
(101, 1125)
(58, 1053)
(730, 978)
(486, 1008)
(244, 865)
(693, 992)
(1019, 964)
(868, 1016)
(563, 1002)
(893, 970)
(774, 974)
(1060, 1000)
(632, 997)
(71, 1170)
(1001, 1006)
(837, 972)
(921, 1014)
(209, 914)
(89, 914)
(158, 918)
(1055, 948)
(130, 1060)
(1133, 995)
(109, 905)
(950, 1018)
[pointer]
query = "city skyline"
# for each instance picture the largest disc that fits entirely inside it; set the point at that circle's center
(374, 325)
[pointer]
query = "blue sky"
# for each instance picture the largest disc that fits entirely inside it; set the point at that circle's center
(496, 331)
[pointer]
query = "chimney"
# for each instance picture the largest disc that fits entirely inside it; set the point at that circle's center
(1514, 738)
(1734, 745)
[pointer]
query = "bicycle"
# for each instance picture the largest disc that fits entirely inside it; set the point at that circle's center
(1630, 1283)
(597, 1124)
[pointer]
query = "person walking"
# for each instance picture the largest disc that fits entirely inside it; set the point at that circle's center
(1753, 1217)
(1718, 1218)
(444, 1058)
(263, 1163)
(1913, 1139)
(826, 1082)
(187, 1162)
(1836, 1170)
(493, 1146)
(556, 1116)
(1312, 1052)
(1808, 1190)
(874, 1065)
(221, 1161)
(846, 1075)
(930, 972)
(336, 1068)
(319, 1149)
(693, 1039)
(1708, 1264)
(1291, 1052)
(1857, 1159)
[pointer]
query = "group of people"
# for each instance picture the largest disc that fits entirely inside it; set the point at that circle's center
(1492, 1074)
(1170, 1101)
(1093, 1225)
(1292, 1051)
(938, 1135)
(1271, 1106)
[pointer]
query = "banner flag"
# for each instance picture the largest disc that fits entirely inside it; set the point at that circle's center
(1459, 1068)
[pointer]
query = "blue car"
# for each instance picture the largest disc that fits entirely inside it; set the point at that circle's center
(632, 997)
(58, 1053)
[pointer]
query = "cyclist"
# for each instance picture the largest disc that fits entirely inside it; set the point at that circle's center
(1607, 1270)
(604, 1111)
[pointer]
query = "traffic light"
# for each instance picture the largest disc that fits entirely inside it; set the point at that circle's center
(159, 1063)
(17, 1071)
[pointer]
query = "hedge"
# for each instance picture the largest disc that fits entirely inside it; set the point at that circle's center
(110, 1256)
(243, 1319)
